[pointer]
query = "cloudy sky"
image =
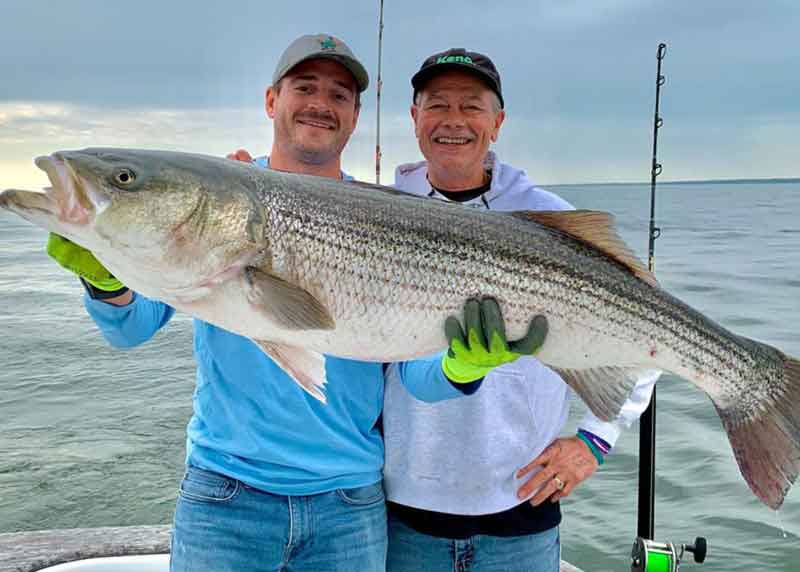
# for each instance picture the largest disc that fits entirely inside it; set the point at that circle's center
(579, 79)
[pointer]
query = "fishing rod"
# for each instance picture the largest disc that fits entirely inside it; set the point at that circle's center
(379, 85)
(647, 424)
(648, 555)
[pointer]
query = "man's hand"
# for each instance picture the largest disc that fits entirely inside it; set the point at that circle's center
(484, 347)
(565, 463)
(240, 155)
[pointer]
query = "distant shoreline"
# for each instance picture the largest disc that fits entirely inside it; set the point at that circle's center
(774, 181)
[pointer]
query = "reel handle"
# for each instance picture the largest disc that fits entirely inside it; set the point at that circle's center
(699, 549)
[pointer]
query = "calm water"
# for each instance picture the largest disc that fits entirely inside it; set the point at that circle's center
(91, 436)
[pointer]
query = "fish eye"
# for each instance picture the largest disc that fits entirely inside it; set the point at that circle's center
(124, 177)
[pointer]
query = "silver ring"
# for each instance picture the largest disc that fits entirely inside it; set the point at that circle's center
(559, 483)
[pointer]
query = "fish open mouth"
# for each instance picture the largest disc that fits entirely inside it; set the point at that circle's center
(73, 200)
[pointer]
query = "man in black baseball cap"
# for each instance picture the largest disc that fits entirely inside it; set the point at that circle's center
(457, 112)
(479, 479)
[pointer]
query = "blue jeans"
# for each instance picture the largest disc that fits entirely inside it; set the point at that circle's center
(223, 525)
(412, 551)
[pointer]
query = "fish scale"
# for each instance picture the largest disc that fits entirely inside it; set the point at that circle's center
(625, 302)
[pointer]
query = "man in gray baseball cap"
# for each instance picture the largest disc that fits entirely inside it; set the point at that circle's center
(275, 479)
(314, 101)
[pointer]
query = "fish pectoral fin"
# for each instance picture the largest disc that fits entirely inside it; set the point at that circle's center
(603, 389)
(595, 228)
(285, 304)
(305, 367)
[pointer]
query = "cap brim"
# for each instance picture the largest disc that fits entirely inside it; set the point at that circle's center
(354, 67)
(423, 76)
(350, 64)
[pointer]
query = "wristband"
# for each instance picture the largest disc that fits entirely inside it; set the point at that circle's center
(594, 443)
(600, 443)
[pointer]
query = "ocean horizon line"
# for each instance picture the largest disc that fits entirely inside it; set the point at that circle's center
(745, 181)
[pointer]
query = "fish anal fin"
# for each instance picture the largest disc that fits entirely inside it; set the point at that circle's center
(285, 304)
(595, 228)
(305, 367)
(603, 389)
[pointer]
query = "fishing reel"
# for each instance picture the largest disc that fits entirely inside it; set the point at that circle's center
(651, 556)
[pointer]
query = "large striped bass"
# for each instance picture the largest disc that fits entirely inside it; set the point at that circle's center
(306, 266)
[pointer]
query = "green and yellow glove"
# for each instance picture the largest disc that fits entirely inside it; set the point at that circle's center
(484, 347)
(82, 262)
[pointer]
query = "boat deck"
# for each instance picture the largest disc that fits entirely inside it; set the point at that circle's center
(36, 550)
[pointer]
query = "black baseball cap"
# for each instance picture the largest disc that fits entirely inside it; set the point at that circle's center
(459, 58)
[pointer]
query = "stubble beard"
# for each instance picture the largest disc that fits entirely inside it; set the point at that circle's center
(319, 154)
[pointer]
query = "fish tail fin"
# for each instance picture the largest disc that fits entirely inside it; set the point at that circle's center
(764, 426)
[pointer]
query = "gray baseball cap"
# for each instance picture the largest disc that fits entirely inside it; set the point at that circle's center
(320, 46)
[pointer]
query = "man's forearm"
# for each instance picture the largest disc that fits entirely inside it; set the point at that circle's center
(126, 325)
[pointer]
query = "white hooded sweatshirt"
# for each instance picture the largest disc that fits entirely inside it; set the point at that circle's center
(461, 456)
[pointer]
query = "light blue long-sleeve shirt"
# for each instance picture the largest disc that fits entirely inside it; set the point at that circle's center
(252, 422)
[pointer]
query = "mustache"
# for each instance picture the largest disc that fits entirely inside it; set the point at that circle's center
(325, 117)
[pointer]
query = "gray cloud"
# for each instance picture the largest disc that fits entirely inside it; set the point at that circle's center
(578, 76)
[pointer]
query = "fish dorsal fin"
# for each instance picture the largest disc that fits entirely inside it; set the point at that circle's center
(595, 228)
